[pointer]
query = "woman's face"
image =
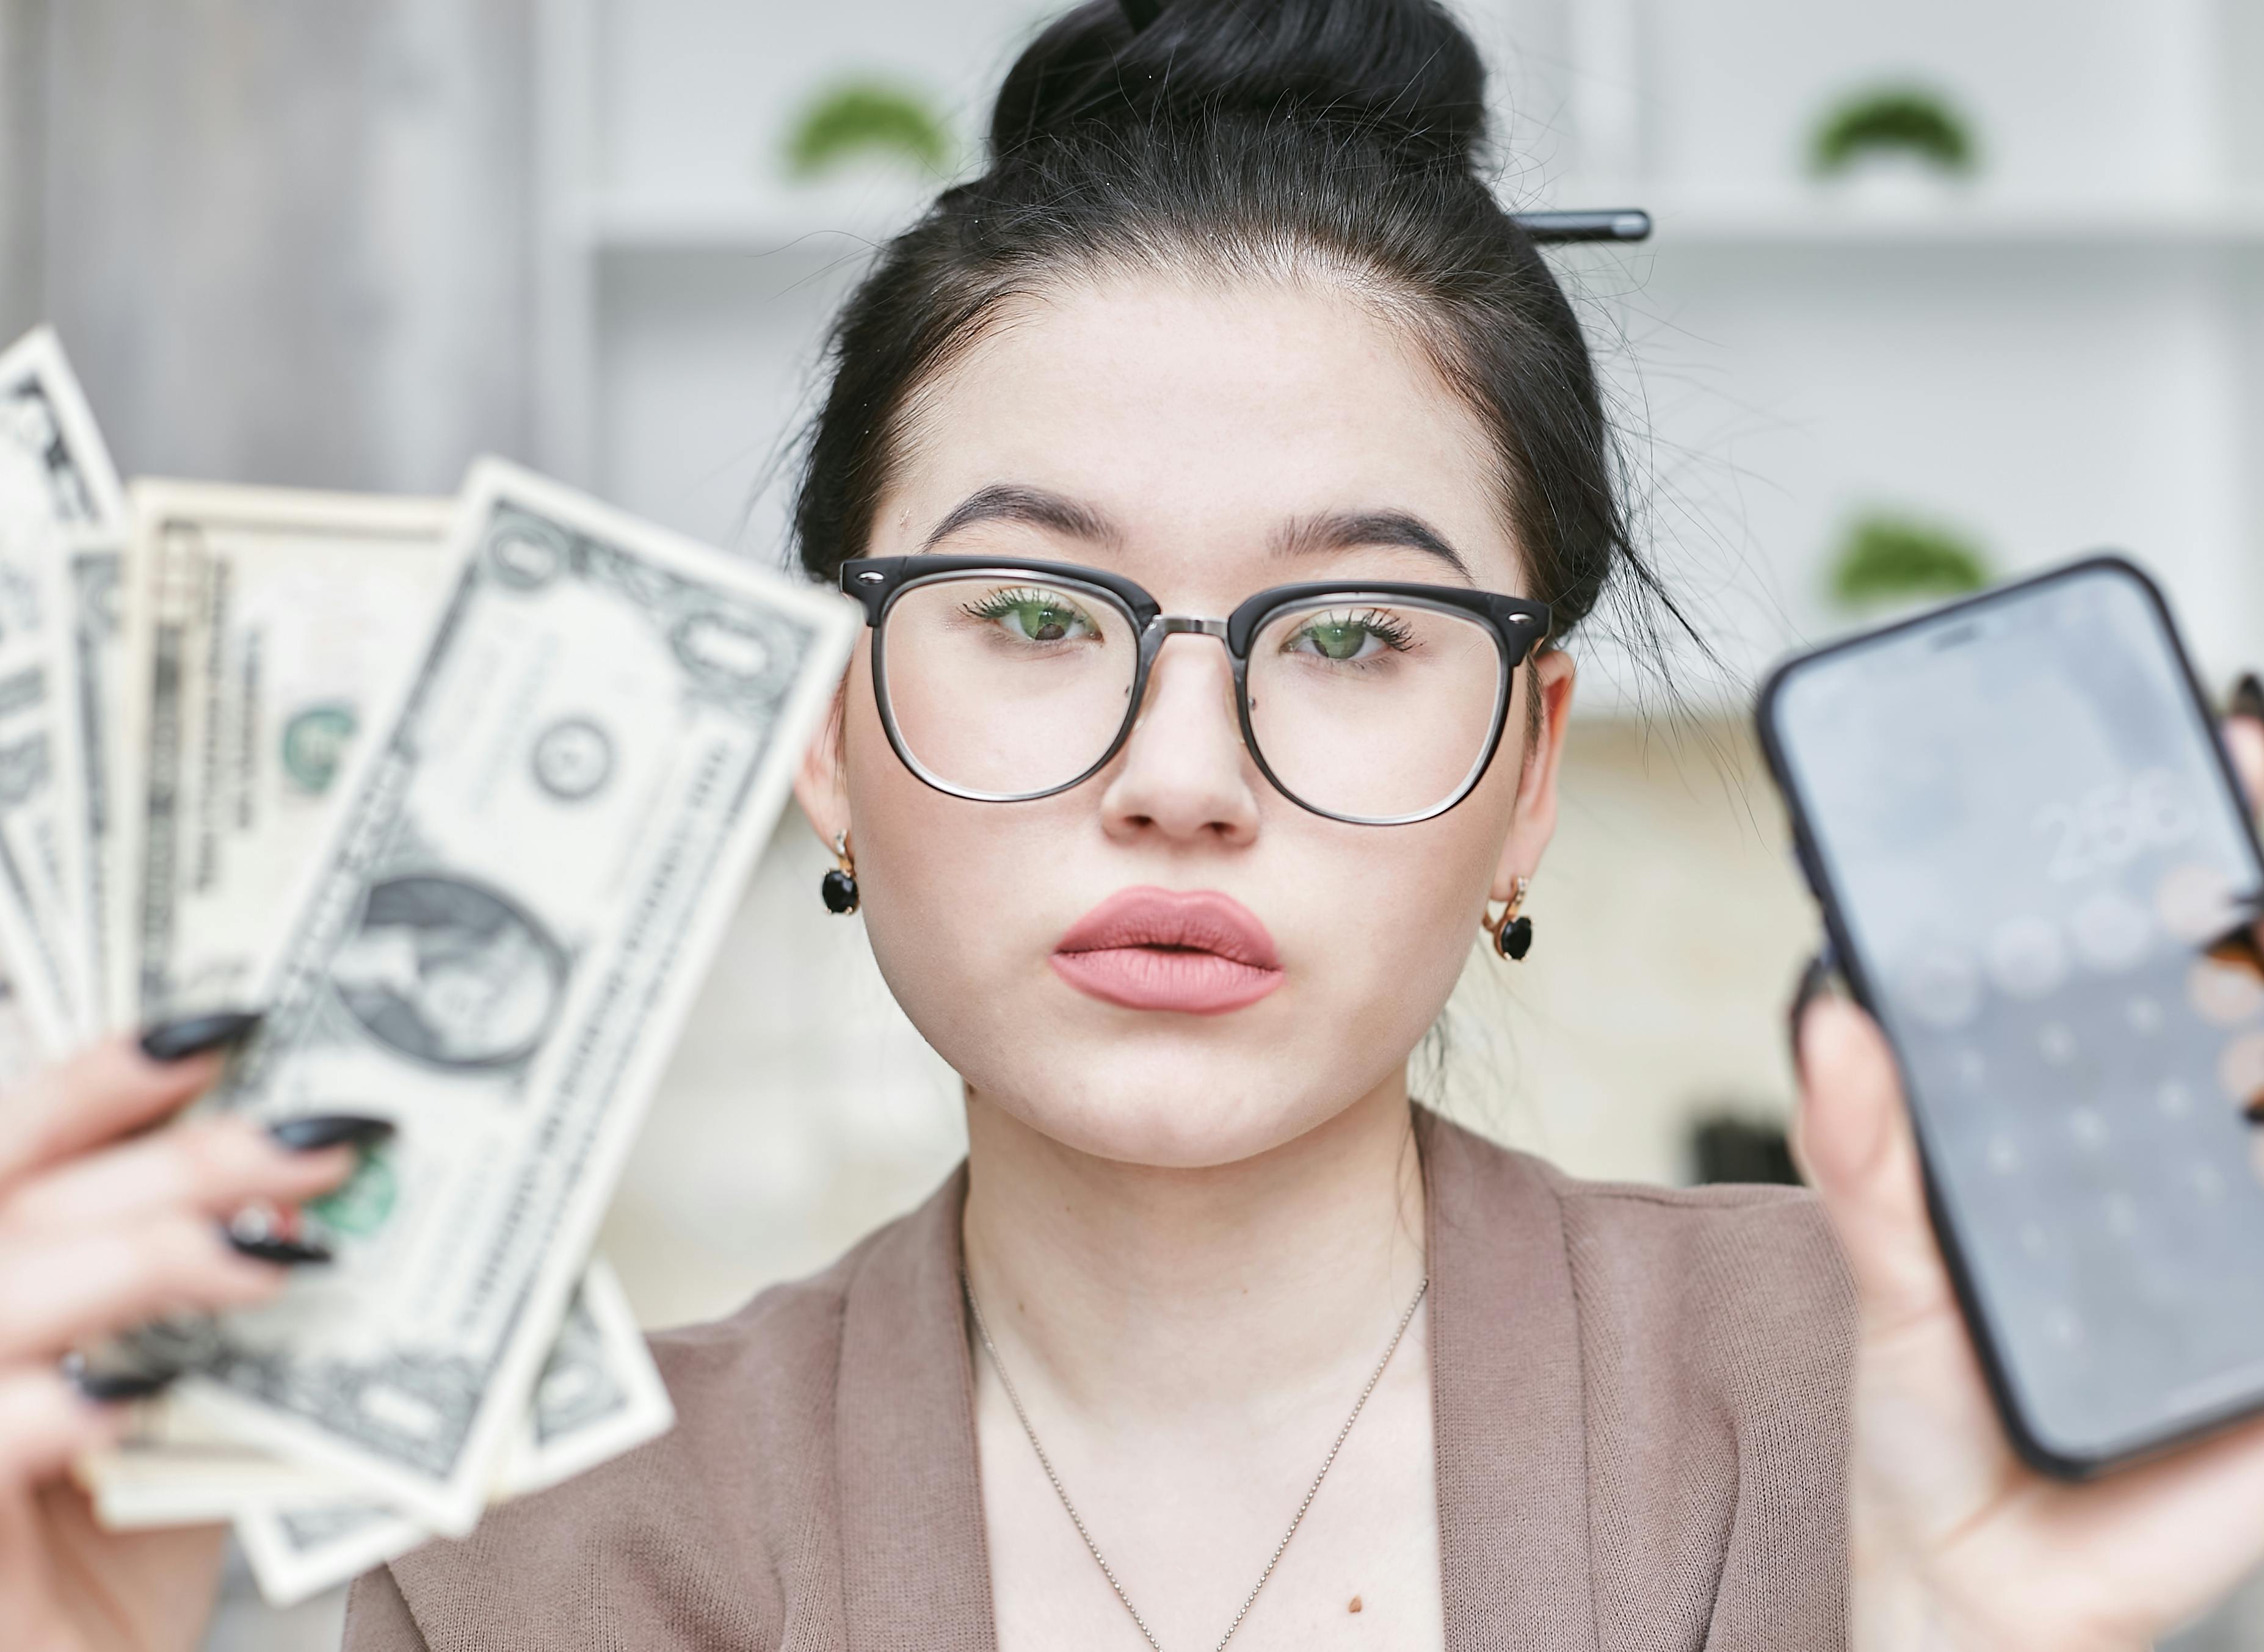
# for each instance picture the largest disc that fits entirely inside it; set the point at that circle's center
(1192, 427)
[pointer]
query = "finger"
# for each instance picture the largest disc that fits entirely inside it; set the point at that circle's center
(2162, 1538)
(210, 1166)
(1857, 1147)
(104, 1091)
(2244, 742)
(58, 1293)
(44, 1424)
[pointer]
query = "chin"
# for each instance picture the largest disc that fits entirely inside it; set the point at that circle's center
(1176, 1104)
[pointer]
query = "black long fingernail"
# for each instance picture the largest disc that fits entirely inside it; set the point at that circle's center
(195, 1034)
(317, 1131)
(2247, 696)
(1813, 979)
(288, 1253)
(114, 1387)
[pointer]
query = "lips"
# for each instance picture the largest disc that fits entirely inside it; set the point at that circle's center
(1196, 952)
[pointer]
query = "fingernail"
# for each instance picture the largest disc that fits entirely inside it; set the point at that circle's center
(195, 1034)
(288, 1253)
(317, 1131)
(2247, 696)
(1813, 979)
(114, 1387)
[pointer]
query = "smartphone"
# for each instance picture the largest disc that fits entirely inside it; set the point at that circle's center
(2039, 873)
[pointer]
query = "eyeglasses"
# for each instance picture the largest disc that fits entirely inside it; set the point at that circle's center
(1372, 702)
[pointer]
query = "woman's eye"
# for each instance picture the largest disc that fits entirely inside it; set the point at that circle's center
(1036, 616)
(1347, 636)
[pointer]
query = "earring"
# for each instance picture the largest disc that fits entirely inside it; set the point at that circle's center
(840, 886)
(1512, 936)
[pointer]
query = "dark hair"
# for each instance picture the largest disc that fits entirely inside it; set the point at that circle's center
(1266, 136)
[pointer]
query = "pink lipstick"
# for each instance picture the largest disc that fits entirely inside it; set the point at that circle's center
(1198, 951)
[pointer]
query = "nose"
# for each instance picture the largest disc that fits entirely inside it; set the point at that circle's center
(1185, 774)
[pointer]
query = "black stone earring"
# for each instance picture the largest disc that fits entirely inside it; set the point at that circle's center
(840, 886)
(1512, 936)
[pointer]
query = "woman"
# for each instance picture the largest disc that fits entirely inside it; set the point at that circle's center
(1216, 1334)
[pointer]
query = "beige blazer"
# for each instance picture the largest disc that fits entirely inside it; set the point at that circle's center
(1640, 1420)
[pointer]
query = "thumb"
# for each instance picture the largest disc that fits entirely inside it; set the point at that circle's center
(2244, 742)
(1858, 1148)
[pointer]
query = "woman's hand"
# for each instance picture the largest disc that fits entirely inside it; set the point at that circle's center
(101, 1229)
(1955, 1543)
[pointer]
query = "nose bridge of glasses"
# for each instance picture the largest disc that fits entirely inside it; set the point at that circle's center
(1171, 625)
(1162, 629)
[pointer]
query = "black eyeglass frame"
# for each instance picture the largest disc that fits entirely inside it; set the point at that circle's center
(1520, 625)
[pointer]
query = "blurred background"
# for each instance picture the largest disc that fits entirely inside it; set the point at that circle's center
(1942, 291)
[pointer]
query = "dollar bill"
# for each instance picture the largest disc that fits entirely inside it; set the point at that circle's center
(540, 847)
(175, 1469)
(97, 646)
(57, 492)
(264, 627)
(21, 1052)
(598, 1396)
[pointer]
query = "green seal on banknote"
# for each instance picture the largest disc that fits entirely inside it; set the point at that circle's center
(359, 1205)
(314, 744)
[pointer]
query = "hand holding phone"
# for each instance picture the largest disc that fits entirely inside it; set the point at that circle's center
(1960, 1538)
(1956, 1542)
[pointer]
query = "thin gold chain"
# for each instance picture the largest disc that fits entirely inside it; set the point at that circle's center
(983, 1330)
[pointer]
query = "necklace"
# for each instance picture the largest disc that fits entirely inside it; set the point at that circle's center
(983, 1330)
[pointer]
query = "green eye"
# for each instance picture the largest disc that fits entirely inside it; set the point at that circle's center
(1338, 639)
(1035, 616)
(1346, 637)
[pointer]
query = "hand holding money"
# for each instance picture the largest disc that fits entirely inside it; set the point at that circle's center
(454, 793)
(100, 1228)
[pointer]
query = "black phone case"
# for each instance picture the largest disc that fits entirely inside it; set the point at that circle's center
(2032, 1450)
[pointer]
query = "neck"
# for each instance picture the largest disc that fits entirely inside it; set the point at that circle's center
(1133, 1291)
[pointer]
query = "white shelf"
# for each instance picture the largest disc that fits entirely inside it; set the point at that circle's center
(821, 221)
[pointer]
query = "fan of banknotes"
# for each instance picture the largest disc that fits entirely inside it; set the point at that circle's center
(458, 792)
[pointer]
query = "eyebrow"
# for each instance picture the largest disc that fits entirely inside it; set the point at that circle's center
(1006, 503)
(1306, 536)
(1343, 530)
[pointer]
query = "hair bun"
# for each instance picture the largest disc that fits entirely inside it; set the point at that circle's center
(1403, 71)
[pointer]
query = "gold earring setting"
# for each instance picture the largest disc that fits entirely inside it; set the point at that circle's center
(1513, 934)
(839, 886)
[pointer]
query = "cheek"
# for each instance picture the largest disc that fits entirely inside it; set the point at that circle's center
(946, 885)
(1388, 955)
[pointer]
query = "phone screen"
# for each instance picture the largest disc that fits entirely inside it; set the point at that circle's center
(2018, 811)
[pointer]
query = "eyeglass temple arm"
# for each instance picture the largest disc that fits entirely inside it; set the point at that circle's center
(1627, 223)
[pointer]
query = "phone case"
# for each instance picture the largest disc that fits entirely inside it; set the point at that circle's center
(2032, 1450)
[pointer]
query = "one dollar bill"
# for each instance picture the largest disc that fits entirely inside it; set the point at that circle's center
(598, 1396)
(265, 626)
(538, 848)
(58, 493)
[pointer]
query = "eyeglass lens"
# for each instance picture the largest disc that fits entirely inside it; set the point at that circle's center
(1002, 687)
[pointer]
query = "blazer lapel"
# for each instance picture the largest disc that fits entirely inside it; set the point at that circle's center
(1509, 1433)
(914, 1568)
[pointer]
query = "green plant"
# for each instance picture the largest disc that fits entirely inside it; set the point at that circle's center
(1893, 119)
(867, 117)
(1889, 558)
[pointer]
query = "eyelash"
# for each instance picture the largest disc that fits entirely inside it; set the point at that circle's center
(1387, 628)
(999, 603)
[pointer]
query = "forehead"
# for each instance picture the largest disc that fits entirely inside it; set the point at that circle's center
(1198, 417)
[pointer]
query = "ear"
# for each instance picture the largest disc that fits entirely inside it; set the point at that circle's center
(1534, 822)
(820, 780)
